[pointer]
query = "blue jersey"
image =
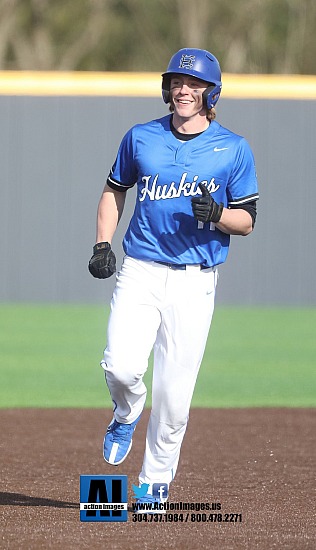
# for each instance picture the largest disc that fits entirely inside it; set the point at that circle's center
(167, 173)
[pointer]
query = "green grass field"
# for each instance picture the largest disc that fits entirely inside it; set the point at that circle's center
(50, 356)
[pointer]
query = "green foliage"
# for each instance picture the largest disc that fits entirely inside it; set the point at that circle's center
(250, 36)
(50, 357)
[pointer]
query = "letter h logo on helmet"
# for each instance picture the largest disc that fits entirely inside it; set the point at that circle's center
(187, 62)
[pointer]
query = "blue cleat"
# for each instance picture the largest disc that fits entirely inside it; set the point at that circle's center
(118, 441)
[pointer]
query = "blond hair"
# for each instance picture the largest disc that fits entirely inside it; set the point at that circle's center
(211, 114)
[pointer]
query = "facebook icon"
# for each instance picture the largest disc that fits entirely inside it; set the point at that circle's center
(160, 490)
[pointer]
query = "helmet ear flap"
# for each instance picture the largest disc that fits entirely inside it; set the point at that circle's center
(166, 96)
(211, 95)
(166, 89)
(206, 95)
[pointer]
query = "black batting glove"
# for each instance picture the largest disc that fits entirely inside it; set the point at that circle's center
(204, 208)
(103, 262)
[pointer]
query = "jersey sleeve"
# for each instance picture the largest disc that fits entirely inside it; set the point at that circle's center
(123, 174)
(243, 185)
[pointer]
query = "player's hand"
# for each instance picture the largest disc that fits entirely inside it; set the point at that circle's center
(103, 262)
(204, 208)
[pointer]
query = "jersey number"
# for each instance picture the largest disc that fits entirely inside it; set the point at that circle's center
(201, 225)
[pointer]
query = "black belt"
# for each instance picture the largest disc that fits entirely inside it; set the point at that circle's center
(180, 267)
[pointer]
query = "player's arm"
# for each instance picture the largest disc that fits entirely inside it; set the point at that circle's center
(102, 264)
(235, 221)
(110, 209)
(242, 194)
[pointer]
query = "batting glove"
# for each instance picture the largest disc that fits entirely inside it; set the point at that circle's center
(103, 262)
(204, 208)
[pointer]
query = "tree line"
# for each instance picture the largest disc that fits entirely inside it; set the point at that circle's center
(247, 36)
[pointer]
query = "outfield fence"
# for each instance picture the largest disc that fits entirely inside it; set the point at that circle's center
(59, 135)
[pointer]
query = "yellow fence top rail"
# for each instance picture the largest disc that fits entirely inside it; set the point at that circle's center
(146, 84)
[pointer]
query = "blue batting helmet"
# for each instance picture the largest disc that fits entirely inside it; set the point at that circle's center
(198, 63)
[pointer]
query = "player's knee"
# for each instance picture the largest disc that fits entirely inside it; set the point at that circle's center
(175, 417)
(120, 373)
(178, 420)
(125, 377)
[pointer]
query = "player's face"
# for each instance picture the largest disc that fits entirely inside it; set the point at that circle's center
(186, 96)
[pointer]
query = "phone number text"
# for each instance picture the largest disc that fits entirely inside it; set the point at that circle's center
(188, 517)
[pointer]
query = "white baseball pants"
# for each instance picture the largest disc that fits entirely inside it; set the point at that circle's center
(169, 311)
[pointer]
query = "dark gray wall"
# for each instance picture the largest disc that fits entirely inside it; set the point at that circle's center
(56, 153)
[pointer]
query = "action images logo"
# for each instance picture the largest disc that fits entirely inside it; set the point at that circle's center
(103, 498)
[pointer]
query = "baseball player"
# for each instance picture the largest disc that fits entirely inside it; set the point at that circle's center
(196, 186)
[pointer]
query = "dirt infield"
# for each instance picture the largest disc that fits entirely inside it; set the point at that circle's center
(259, 463)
